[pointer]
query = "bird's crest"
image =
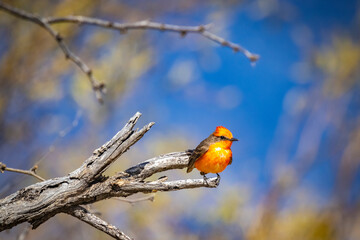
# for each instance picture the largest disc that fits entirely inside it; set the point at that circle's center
(222, 131)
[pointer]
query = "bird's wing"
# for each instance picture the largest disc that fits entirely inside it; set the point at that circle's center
(230, 162)
(200, 150)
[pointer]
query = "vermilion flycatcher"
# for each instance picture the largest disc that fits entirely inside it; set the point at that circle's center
(213, 154)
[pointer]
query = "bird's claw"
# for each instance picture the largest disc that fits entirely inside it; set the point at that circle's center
(206, 180)
(217, 181)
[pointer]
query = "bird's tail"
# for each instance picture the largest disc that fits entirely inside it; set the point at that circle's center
(189, 169)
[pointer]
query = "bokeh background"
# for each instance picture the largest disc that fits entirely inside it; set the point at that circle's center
(295, 173)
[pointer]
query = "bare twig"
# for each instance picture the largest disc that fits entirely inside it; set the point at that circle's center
(31, 172)
(183, 30)
(93, 220)
(136, 200)
(61, 134)
(98, 87)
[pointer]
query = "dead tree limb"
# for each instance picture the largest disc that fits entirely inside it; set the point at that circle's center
(87, 184)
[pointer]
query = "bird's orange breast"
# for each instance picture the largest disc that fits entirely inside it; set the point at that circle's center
(215, 160)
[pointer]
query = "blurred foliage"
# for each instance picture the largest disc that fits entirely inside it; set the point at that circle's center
(340, 63)
(319, 124)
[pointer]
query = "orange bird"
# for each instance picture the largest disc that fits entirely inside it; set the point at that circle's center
(213, 154)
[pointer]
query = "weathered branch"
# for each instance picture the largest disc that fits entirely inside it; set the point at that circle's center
(39, 202)
(161, 163)
(110, 151)
(98, 87)
(79, 212)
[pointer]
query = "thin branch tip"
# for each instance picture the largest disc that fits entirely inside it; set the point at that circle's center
(208, 26)
(150, 125)
(31, 172)
(254, 57)
(2, 167)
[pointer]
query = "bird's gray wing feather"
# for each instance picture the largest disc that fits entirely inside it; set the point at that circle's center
(200, 150)
(230, 160)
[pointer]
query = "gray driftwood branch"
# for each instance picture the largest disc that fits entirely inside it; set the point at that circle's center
(87, 184)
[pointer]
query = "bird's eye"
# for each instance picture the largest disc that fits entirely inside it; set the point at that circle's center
(222, 137)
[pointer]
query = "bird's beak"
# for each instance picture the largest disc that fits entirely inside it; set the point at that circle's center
(234, 139)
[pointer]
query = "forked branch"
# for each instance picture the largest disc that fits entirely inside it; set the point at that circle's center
(87, 184)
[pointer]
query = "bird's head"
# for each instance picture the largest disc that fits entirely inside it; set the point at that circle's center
(223, 134)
